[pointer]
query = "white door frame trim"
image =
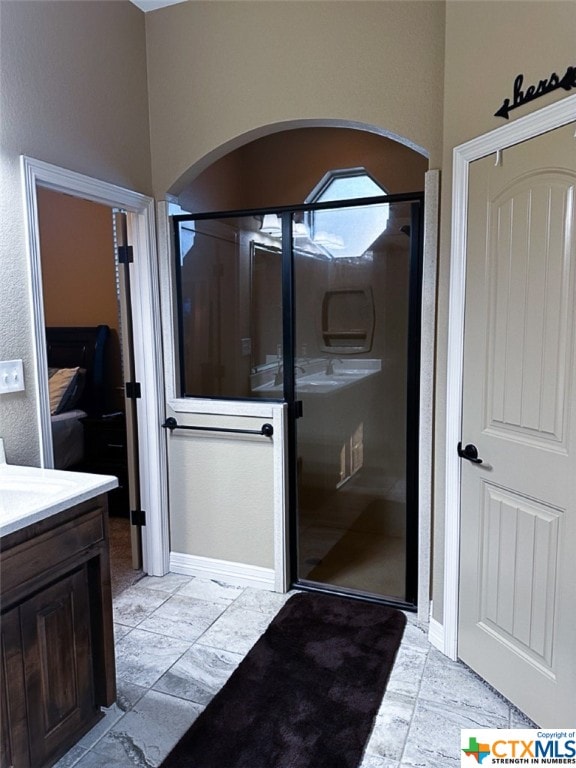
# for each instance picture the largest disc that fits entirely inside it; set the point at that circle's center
(236, 573)
(546, 119)
(147, 337)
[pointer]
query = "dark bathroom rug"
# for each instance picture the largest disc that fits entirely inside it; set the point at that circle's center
(306, 694)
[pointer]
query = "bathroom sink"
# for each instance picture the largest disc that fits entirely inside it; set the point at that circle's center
(324, 380)
(34, 487)
(328, 382)
(317, 384)
(34, 493)
(353, 372)
(275, 390)
(30, 494)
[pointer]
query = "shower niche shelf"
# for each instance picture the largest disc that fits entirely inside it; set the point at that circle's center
(347, 321)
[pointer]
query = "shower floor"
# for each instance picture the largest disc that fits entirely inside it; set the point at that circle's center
(356, 541)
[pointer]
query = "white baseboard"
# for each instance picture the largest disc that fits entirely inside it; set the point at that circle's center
(238, 574)
(436, 634)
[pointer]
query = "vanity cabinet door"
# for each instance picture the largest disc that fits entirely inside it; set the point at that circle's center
(56, 639)
(13, 719)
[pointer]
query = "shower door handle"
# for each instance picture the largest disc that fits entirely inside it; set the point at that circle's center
(470, 453)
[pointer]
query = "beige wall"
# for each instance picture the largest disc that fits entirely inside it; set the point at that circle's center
(221, 73)
(488, 43)
(72, 93)
(283, 168)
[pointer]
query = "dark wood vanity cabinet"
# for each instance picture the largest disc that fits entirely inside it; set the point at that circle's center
(57, 646)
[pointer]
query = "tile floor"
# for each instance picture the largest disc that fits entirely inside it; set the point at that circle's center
(179, 638)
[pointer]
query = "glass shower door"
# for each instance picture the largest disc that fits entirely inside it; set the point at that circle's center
(356, 352)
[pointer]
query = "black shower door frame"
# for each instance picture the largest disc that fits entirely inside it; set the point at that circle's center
(286, 215)
(413, 391)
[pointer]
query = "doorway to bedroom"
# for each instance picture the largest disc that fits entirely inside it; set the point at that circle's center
(89, 348)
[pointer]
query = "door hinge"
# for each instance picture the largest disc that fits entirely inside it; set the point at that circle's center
(125, 254)
(132, 390)
(138, 517)
(298, 409)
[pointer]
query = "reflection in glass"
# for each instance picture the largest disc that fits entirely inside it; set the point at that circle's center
(229, 306)
(352, 318)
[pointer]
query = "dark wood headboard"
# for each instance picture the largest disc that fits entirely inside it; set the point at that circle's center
(84, 347)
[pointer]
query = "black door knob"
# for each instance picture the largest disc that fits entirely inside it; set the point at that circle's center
(469, 452)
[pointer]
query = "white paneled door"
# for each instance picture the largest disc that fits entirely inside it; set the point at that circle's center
(517, 613)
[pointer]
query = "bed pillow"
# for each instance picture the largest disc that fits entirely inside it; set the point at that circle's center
(65, 386)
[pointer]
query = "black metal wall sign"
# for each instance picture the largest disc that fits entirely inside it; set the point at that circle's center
(552, 83)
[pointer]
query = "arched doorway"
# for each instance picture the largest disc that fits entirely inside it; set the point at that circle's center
(279, 170)
(282, 167)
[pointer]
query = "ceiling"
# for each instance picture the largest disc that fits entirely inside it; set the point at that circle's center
(152, 5)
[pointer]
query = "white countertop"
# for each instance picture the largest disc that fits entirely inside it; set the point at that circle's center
(31, 494)
(317, 376)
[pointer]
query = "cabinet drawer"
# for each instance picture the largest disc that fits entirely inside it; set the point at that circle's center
(26, 560)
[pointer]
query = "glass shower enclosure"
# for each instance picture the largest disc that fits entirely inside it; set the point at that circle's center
(318, 306)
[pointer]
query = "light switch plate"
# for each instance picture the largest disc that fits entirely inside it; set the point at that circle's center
(11, 376)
